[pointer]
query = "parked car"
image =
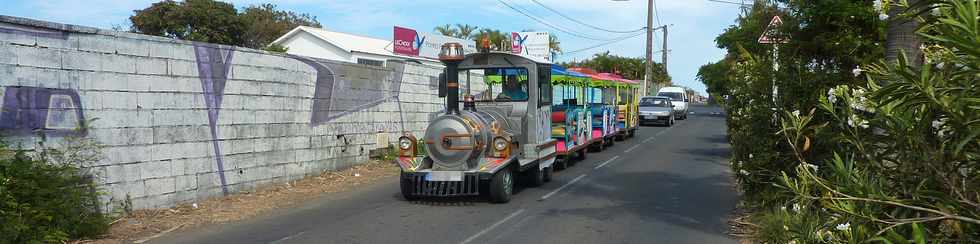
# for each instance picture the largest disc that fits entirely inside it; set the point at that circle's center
(657, 109)
(678, 98)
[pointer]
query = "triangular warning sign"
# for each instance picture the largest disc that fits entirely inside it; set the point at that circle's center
(770, 35)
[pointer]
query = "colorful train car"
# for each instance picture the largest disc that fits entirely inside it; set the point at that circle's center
(571, 118)
(601, 95)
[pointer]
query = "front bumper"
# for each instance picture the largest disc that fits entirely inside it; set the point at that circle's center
(417, 185)
(655, 118)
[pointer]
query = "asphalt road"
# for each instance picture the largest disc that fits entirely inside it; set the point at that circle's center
(666, 185)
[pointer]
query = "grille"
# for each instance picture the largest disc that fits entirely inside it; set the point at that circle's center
(468, 187)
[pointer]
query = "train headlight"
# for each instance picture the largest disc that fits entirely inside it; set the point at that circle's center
(406, 146)
(499, 144)
(404, 143)
(501, 147)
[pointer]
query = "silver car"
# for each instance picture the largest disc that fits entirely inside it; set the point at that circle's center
(656, 109)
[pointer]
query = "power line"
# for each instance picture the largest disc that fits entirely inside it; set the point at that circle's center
(583, 23)
(552, 26)
(728, 2)
(657, 11)
(605, 43)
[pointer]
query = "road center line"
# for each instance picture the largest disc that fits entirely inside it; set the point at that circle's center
(287, 238)
(631, 148)
(606, 162)
(546, 196)
(484, 231)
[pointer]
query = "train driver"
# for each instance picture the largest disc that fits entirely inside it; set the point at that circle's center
(513, 90)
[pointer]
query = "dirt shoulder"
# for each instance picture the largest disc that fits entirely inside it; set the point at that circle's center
(144, 225)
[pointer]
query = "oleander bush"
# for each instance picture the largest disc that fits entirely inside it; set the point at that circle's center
(46, 197)
(890, 157)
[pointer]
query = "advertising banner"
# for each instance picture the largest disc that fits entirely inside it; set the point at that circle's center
(531, 44)
(427, 45)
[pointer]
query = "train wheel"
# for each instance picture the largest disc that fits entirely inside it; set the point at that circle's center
(582, 154)
(548, 173)
(534, 177)
(501, 186)
(407, 189)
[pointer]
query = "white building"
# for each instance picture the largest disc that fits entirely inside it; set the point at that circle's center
(331, 45)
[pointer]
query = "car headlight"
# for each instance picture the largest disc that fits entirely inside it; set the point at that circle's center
(404, 143)
(499, 144)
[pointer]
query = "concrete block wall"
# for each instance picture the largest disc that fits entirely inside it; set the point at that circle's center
(184, 121)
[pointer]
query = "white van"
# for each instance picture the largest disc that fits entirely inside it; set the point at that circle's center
(678, 97)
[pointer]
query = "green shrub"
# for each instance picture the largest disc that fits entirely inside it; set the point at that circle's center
(47, 201)
(893, 157)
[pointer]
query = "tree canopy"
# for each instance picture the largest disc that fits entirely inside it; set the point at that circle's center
(218, 22)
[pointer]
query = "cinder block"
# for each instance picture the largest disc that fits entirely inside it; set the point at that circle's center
(158, 49)
(184, 68)
(167, 117)
(119, 100)
(81, 60)
(186, 182)
(129, 46)
(38, 57)
(122, 173)
(156, 169)
(134, 189)
(141, 83)
(118, 63)
(18, 38)
(96, 43)
(151, 66)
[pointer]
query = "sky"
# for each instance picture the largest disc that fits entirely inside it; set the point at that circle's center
(694, 23)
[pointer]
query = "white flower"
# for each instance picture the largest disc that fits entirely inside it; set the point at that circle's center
(782, 208)
(743, 172)
(850, 122)
(796, 207)
(857, 71)
(796, 113)
(813, 167)
(864, 124)
(750, 155)
(879, 6)
(844, 226)
(936, 11)
(940, 65)
(832, 95)
(883, 16)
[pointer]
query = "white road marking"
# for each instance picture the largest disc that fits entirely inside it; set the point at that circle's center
(631, 148)
(606, 162)
(484, 231)
(287, 238)
(546, 196)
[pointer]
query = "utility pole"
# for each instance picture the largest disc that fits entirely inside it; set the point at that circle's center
(665, 51)
(648, 77)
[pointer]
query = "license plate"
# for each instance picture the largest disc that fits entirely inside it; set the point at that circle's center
(444, 176)
(650, 117)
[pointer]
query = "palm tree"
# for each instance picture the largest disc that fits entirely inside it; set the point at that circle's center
(465, 31)
(446, 30)
(901, 36)
(554, 45)
(498, 40)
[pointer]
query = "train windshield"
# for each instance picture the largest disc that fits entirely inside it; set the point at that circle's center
(497, 84)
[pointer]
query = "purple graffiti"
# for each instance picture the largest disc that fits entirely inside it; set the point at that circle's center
(28, 110)
(213, 64)
(341, 90)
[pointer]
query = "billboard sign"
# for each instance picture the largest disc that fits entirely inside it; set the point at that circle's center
(531, 44)
(427, 45)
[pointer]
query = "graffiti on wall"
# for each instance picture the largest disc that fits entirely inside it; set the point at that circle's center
(28, 110)
(341, 89)
(213, 64)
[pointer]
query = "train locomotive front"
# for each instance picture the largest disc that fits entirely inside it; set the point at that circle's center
(481, 150)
